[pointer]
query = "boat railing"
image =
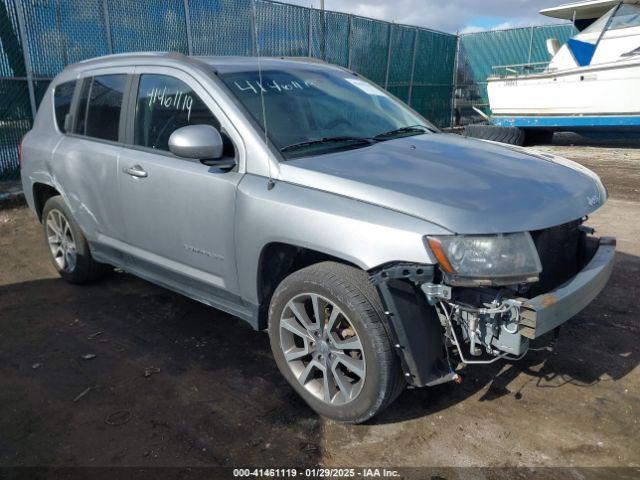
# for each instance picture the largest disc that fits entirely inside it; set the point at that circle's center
(519, 69)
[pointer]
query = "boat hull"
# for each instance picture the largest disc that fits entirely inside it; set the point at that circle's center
(600, 97)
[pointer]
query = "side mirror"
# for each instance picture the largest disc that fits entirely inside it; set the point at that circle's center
(199, 142)
(553, 46)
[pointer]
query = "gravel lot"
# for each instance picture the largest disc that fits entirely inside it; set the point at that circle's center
(176, 383)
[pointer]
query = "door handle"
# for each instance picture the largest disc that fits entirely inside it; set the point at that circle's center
(135, 171)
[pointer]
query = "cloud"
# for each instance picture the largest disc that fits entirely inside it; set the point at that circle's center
(472, 28)
(449, 16)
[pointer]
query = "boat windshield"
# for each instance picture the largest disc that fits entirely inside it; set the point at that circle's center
(626, 16)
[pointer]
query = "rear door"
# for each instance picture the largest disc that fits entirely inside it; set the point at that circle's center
(179, 213)
(85, 163)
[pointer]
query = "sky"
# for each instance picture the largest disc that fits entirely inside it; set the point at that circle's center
(446, 15)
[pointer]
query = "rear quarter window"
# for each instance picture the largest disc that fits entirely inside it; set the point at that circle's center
(62, 96)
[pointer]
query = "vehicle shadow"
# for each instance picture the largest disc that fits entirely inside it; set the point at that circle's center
(123, 372)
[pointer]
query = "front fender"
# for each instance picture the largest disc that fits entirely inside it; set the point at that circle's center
(363, 234)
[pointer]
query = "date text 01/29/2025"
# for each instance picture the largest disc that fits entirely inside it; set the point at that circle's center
(315, 473)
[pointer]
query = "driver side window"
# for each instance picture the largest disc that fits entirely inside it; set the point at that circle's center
(165, 104)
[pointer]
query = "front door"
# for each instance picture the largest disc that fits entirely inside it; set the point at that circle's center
(179, 213)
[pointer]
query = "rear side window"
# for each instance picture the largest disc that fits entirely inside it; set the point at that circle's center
(100, 105)
(164, 105)
(62, 96)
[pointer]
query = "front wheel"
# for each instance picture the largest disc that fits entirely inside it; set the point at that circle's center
(328, 337)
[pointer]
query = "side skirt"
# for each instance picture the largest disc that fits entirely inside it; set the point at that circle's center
(184, 285)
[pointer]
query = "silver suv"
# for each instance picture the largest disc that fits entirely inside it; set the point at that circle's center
(377, 251)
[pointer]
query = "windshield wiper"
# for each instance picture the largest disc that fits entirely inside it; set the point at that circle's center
(409, 129)
(297, 146)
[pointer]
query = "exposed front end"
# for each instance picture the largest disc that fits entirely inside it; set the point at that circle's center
(492, 295)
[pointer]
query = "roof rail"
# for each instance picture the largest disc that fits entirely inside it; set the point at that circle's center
(169, 54)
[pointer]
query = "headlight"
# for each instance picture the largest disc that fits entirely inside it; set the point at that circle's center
(487, 259)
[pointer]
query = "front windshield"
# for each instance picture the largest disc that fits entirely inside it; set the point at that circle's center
(310, 111)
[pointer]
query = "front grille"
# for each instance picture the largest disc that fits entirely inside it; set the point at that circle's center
(559, 251)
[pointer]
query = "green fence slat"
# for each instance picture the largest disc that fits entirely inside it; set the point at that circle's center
(481, 51)
(11, 54)
(369, 43)
(221, 27)
(15, 121)
(148, 25)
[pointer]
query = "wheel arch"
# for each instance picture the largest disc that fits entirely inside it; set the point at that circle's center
(301, 225)
(41, 193)
(277, 260)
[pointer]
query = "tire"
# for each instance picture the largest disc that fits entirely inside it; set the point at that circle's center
(347, 289)
(58, 224)
(535, 136)
(508, 135)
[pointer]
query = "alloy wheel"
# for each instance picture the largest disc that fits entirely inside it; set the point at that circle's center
(322, 348)
(61, 241)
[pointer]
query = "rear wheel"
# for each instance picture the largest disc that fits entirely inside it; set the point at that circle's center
(508, 135)
(68, 247)
(329, 341)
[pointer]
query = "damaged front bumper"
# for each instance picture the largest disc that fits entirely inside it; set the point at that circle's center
(501, 324)
(545, 312)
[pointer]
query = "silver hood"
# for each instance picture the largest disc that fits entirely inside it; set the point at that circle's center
(464, 185)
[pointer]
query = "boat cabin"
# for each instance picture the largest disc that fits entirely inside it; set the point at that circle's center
(609, 31)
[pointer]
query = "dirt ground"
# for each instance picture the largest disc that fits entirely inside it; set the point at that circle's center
(176, 383)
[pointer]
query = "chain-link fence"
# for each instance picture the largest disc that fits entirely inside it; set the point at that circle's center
(481, 53)
(40, 37)
(15, 109)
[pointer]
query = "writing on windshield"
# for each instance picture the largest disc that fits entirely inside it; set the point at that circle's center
(258, 87)
(311, 110)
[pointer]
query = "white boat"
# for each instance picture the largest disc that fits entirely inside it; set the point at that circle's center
(591, 83)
